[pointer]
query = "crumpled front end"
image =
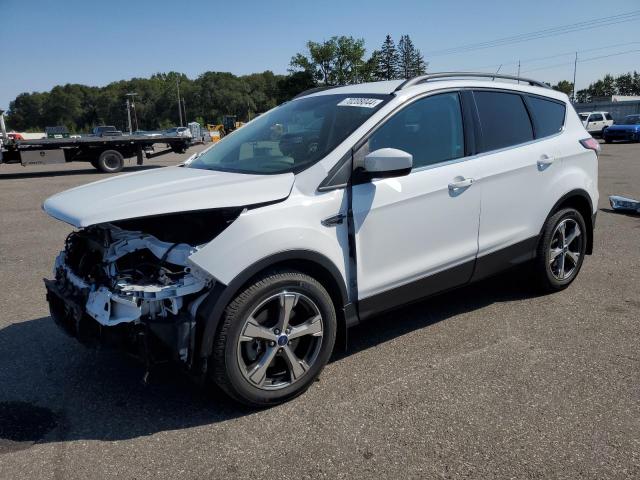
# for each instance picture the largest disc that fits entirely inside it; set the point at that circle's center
(129, 288)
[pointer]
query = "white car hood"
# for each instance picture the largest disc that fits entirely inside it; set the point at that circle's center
(161, 191)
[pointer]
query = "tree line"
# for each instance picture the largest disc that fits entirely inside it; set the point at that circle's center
(338, 61)
(624, 84)
(206, 99)
(341, 61)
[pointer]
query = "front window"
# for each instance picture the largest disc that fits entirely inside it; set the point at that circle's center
(584, 116)
(291, 137)
(430, 129)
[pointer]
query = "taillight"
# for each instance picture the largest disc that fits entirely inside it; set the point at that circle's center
(591, 144)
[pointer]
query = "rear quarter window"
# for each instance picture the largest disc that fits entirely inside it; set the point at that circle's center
(548, 116)
(504, 120)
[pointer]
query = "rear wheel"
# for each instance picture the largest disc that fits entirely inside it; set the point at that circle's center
(110, 161)
(275, 338)
(561, 250)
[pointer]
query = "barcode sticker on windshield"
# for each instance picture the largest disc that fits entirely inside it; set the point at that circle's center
(360, 102)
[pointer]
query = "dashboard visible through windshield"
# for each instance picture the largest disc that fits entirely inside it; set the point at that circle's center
(291, 137)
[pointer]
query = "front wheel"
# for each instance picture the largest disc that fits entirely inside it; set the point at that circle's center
(561, 250)
(275, 338)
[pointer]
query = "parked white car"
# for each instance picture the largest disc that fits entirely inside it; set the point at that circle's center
(596, 122)
(179, 132)
(249, 263)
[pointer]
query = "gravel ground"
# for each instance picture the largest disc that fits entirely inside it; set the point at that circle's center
(488, 381)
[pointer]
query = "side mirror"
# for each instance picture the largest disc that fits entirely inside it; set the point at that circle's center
(388, 162)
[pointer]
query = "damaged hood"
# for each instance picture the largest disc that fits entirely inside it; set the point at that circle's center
(162, 191)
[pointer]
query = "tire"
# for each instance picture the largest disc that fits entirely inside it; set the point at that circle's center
(110, 161)
(94, 164)
(241, 346)
(607, 140)
(179, 148)
(555, 267)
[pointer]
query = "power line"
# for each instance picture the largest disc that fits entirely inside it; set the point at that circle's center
(566, 54)
(547, 67)
(549, 32)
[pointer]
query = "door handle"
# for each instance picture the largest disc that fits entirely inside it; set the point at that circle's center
(545, 161)
(460, 182)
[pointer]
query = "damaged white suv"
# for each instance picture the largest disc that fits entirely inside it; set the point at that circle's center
(248, 263)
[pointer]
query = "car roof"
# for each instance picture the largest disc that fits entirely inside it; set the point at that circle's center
(391, 86)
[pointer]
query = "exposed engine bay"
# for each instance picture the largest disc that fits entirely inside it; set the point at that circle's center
(110, 279)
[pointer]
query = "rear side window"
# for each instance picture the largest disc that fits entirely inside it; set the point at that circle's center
(504, 120)
(595, 117)
(548, 116)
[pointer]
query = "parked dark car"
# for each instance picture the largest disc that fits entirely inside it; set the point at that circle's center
(628, 129)
(106, 131)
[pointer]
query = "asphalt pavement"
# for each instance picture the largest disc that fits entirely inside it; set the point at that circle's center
(489, 381)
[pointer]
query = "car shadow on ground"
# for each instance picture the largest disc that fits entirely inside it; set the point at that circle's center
(509, 286)
(64, 173)
(54, 390)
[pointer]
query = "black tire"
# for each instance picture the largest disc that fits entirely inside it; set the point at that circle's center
(94, 164)
(179, 148)
(228, 370)
(110, 161)
(546, 270)
(607, 140)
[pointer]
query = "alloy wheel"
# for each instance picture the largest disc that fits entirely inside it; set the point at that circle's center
(565, 249)
(280, 340)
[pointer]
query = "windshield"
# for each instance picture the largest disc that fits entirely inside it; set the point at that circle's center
(291, 137)
(631, 120)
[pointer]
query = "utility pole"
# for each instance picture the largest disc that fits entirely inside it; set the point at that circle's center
(129, 116)
(131, 104)
(179, 104)
(518, 71)
(573, 89)
(184, 108)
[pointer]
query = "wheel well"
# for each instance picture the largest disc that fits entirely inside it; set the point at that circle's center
(581, 203)
(328, 281)
(210, 311)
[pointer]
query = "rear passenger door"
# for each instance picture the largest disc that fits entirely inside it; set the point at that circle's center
(519, 156)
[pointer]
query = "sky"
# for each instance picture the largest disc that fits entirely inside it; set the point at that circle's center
(45, 43)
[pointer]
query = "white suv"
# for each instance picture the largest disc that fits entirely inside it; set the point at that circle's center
(596, 122)
(249, 263)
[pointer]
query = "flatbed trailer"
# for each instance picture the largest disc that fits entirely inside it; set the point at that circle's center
(106, 154)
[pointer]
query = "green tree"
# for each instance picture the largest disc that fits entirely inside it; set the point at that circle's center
(411, 62)
(624, 84)
(291, 85)
(337, 61)
(318, 61)
(564, 86)
(388, 61)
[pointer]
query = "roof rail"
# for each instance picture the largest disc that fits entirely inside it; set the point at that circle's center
(314, 90)
(437, 76)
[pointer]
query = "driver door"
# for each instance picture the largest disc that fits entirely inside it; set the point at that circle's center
(418, 234)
